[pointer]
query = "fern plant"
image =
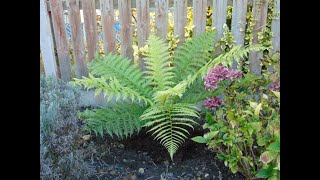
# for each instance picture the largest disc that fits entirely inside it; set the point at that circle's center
(163, 97)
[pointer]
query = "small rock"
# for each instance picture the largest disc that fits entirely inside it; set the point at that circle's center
(206, 175)
(130, 177)
(113, 172)
(141, 170)
(145, 153)
(143, 162)
(199, 173)
(166, 162)
(121, 146)
(196, 168)
(134, 177)
(124, 160)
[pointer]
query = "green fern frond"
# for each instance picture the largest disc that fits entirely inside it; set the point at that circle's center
(112, 89)
(169, 123)
(158, 71)
(226, 59)
(192, 55)
(197, 93)
(128, 73)
(120, 120)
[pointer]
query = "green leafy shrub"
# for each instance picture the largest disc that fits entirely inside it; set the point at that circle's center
(157, 92)
(245, 129)
(60, 132)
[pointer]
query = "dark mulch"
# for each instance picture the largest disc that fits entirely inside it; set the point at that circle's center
(140, 157)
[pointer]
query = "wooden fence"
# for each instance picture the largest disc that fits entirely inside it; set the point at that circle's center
(53, 31)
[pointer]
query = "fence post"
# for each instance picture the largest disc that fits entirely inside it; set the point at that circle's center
(180, 18)
(219, 18)
(143, 25)
(90, 23)
(275, 28)
(61, 39)
(46, 42)
(260, 10)
(199, 16)
(77, 39)
(238, 23)
(107, 18)
(126, 28)
(161, 19)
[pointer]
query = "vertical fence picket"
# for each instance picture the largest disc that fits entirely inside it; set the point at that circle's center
(275, 28)
(219, 16)
(199, 16)
(77, 39)
(46, 42)
(61, 39)
(107, 18)
(143, 25)
(126, 28)
(180, 18)
(238, 23)
(260, 10)
(90, 23)
(161, 19)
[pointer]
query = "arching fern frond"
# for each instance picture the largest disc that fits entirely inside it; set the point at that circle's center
(197, 93)
(192, 55)
(120, 120)
(169, 123)
(112, 89)
(226, 59)
(128, 73)
(158, 71)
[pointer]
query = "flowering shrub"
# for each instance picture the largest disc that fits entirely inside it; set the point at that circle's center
(244, 127)
(220, 73)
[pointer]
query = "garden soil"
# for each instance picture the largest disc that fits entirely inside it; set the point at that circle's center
(142, 158)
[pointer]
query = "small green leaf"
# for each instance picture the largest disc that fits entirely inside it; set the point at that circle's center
(256, 126)
(267, 156)
(230, 115)
(261, 141)
(199, 139)
(276, 93)
(257, 110)
(209, 118)
(275, 56)
(253, 104)
(273, 178)
(221, 157)
(265, 173)
(211, 134)
(275, 147)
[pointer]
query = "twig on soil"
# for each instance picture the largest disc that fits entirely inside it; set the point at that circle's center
(150, 177)
(154, 164)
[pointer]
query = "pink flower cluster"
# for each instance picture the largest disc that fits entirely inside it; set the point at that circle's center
(275, 86)
(218, 74)
(213, 102)
(215, 75)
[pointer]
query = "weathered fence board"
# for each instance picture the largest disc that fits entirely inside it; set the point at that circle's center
(77, 39)
(275, 28)
(199, 16)
(260, 10)
(238, 23)
(161, 19)
(90, 24)
(46, 42)
(143, 25)
(180, 18)
(219, 16)
(61, 39)
(107, 18)
(126, 28)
